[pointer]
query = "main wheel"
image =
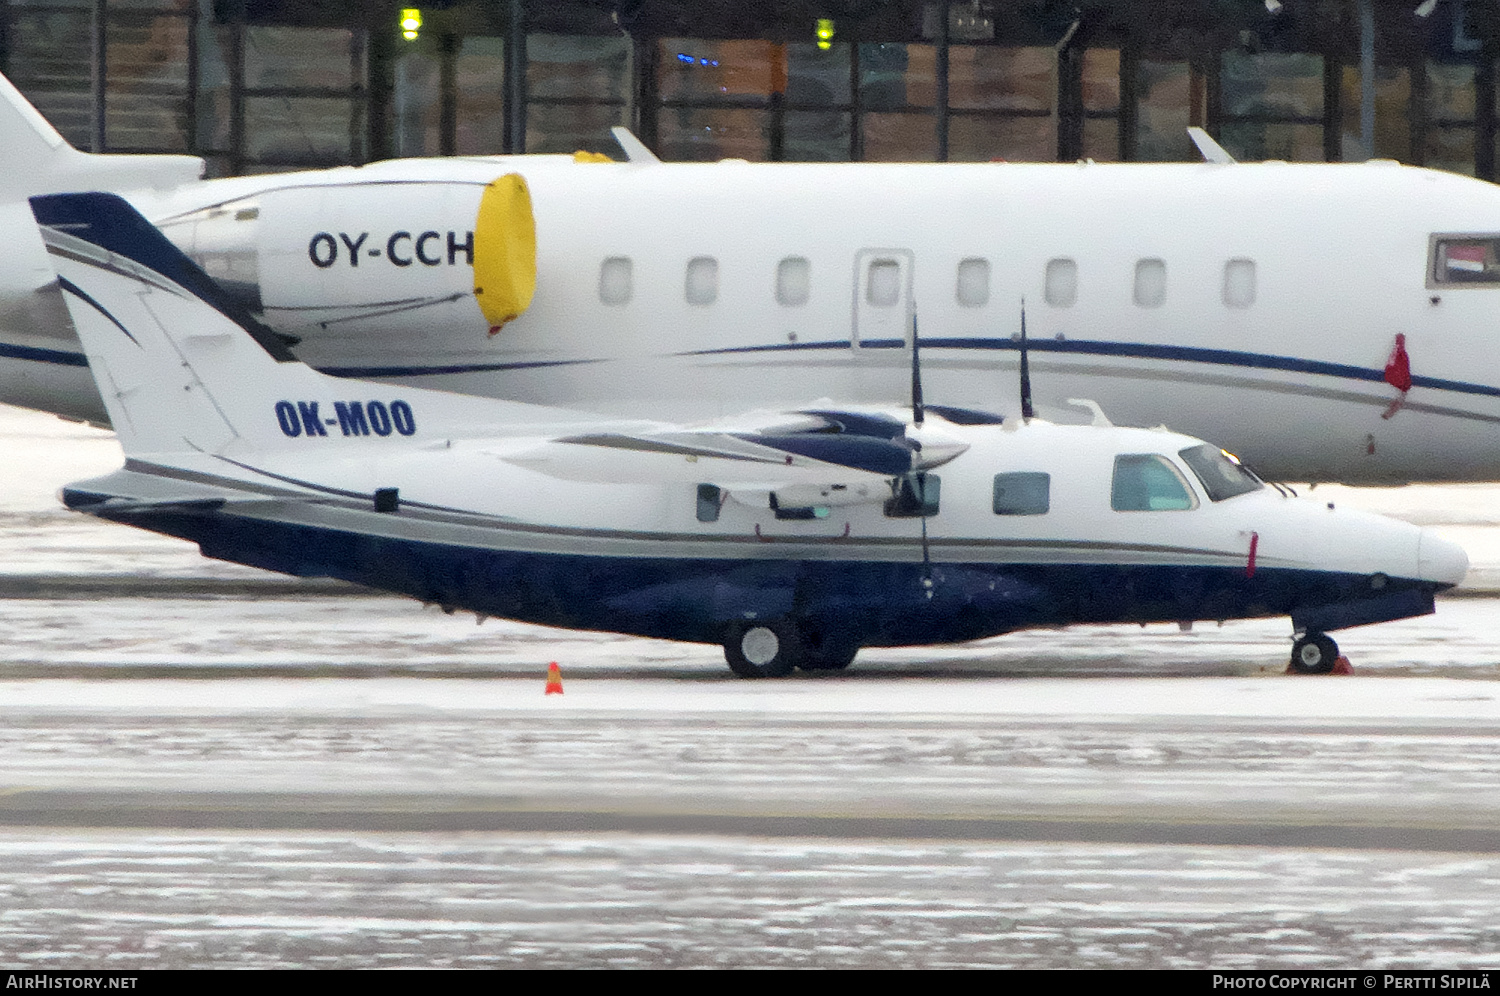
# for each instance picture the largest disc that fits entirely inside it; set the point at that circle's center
(762, 649)
(827, 651)
(1314, 654)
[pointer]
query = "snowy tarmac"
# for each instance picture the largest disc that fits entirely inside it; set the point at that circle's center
(204, 766)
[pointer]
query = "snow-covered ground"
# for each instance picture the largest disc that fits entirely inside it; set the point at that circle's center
(243, 704)
(123, 900)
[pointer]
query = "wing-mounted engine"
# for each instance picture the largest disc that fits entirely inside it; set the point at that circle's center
(416, 268)
(806, 460)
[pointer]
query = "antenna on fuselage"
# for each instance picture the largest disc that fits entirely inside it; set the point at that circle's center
(1027, 411)
(918, 413)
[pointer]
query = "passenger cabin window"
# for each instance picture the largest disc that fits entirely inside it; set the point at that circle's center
(883, 286)
(1221, 473)
(614, 280)
(793, 281)
(1146, 482)
(1465, 259)
(1150, 283)
(1061, 287)
(914, 496)
(1239, 283)
(702, 285)
(973, 289)
(1023, 493)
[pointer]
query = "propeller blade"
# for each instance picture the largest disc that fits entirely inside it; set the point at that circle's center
(918, 413)
(1027, 412)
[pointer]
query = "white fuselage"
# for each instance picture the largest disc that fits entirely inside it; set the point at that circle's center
(1255, 305)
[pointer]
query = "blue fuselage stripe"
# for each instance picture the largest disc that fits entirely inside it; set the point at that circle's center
(1135, 350)
(1085, 347)
(35, 355)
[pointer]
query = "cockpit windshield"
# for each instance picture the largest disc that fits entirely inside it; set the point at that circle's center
(1222, 474)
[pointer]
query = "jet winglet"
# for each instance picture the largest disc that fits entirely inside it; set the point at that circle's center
(1211, 151)
(635, 149)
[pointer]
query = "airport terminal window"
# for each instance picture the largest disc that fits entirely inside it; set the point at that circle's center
(1466, 259)
(793, 281)
(883, 287)
(702, 285)
(614, 280)
(973, 290)
(1062, 283)
(1146, 482)
(1221, 473)
(1150, 283)
(1239, 283)
(1023, 493)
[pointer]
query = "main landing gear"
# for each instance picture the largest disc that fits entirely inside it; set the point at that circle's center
(774, 649)
(1314, 653)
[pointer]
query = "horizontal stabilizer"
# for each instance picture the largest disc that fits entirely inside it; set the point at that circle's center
(36, 159)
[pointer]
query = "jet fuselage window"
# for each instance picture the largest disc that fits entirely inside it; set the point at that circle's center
(1464, 259)
(614, 280)
(1150, 283)
(1221, 474)
(1146, 482)
(973, 290)
(793, 281)
(1239, 283)
(1061, 287)
(1023, 493)
(883, 284)
(702, 284)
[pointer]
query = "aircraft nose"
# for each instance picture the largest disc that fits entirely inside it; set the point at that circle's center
(1440, 560)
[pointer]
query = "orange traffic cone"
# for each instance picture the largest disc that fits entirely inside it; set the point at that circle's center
(554, 679)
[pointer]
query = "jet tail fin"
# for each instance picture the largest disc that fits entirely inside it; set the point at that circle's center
(182, 368)
(36, 159)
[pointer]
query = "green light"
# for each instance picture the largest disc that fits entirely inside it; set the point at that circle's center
(825, 33)
(411, 23)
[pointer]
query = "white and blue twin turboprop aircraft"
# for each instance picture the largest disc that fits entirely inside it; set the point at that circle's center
(791, 538)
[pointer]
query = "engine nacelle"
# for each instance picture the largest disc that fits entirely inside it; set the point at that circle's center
(391, 262)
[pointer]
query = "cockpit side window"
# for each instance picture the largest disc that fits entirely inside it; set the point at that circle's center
(1147, 482)
(1464, 260)
(1221, 473)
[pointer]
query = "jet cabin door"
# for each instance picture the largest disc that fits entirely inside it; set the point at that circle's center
(882, 298)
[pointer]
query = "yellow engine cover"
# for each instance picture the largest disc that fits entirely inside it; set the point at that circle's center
(504, 251)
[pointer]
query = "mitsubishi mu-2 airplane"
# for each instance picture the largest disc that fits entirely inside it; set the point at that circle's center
(791, 537)
(1326, 322)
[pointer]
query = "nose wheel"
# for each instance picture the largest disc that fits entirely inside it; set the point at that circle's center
(1314, 653)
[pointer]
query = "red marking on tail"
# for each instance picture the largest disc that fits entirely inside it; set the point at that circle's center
(1250, 563)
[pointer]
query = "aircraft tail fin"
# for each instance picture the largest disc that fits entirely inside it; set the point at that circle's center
(36, 159)
(183, 368)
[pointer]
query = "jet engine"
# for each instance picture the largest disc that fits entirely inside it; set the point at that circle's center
(420, 265)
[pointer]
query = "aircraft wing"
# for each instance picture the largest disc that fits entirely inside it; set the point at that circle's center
(820, 456)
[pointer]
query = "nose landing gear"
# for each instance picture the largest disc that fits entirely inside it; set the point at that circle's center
(1314, 653)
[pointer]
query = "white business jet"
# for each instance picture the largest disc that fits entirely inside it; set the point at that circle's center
(1325, 321)
(791, 538)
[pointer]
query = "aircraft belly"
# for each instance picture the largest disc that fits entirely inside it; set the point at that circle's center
(694, 598)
